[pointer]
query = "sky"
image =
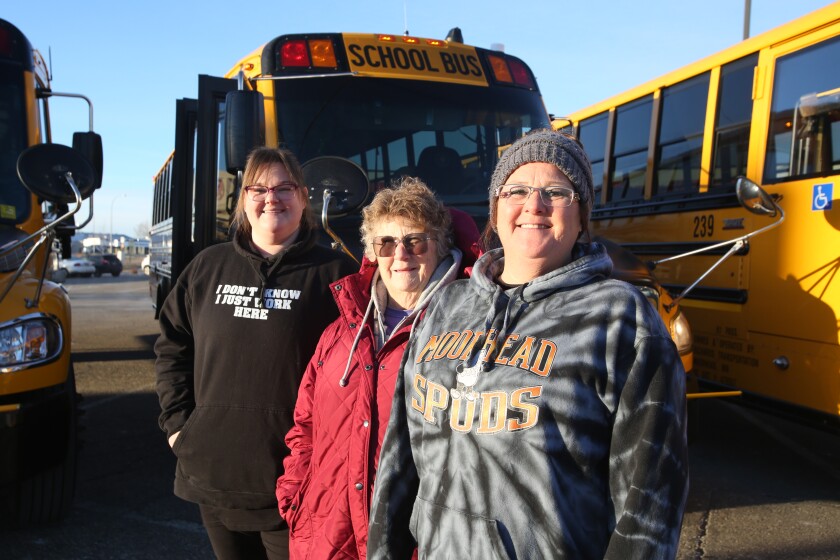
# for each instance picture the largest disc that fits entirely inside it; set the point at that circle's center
(134, 59)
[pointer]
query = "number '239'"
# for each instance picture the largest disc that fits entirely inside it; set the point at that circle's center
(704, 226)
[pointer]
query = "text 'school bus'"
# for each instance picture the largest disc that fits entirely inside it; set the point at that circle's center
(666, 157)
(38, 401)
(393, 105)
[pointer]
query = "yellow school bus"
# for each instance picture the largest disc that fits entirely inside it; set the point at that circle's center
(393, 104)
(666, 157)
(38, 400)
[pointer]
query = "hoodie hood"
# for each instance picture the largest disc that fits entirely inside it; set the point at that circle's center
(590, 263)
(265, 267)
(447, 271)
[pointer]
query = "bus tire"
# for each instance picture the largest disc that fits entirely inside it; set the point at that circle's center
(158, 302)
(48, 496)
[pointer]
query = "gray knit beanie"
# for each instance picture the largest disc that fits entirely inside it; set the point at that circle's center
(545, 145)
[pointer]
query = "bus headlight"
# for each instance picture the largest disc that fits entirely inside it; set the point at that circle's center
(681, 333)
(29, 340)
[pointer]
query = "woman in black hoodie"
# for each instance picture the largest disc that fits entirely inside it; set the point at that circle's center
(236, 333)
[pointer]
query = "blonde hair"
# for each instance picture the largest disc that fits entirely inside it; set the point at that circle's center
(258, 161)
(411, 200)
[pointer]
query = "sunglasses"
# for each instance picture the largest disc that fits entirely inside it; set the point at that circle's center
(413, 243)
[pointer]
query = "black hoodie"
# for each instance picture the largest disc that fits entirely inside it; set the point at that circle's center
(236, 333)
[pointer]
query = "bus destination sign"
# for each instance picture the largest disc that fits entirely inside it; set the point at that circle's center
(370, 56)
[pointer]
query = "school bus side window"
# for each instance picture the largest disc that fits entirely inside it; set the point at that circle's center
(681, 135)
(805, 114)
(629, 159)
(732, 123)
(593, 136)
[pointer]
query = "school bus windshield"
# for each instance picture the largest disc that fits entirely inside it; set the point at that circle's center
(447, 134)
(14, 198)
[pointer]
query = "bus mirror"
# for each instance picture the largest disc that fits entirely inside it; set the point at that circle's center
(754, 198)
(814, 104)
(244, 126)
(89, 144)
(43, 168)
(346, 182)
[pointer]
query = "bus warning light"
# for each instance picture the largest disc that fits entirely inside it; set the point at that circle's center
(323, 54)
(500, 69)
(294, 53)
(5, 42)
(520, 73)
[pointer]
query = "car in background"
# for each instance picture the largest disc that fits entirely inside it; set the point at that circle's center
(145, 264)
(106, 264)
(76, 267)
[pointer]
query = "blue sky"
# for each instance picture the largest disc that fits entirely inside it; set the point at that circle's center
(134, 59)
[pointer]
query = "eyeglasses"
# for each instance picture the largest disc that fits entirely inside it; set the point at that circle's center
(284, 191)
(557, 197)
(414, 244)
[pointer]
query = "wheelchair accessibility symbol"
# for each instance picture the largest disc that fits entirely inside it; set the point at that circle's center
(822, 196)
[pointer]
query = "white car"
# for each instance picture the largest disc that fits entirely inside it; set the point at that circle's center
(76, 267)
(144, 264)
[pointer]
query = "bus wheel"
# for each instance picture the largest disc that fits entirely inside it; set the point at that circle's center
(158, 302)
(48, 496)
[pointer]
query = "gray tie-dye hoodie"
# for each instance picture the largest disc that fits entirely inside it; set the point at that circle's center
(541, 421)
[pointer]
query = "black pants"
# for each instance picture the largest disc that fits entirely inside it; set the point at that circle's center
(230, 544)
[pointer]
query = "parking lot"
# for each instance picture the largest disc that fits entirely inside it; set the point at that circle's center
(761, 488)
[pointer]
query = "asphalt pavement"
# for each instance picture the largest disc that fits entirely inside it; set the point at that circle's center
(761, 487)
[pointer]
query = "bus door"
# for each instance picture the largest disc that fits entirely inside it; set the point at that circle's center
(172, 247)
(202, 191)
(215, 188)
(795, 285)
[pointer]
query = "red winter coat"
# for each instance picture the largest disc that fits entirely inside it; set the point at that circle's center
(325, 491)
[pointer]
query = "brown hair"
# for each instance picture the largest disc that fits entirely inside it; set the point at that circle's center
(258, 161)
(411, 200)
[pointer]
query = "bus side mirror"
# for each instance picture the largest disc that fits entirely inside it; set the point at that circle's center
(244, 126)
(346, 183)
(89, 144)
(754, 198)
(43, 170)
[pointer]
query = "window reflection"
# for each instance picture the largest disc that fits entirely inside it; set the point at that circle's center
(805, 114)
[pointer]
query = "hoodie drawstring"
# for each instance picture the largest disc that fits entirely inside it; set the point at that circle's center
(485, 358)
(343, 381)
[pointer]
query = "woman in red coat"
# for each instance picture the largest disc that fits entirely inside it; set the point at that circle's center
(344, 400)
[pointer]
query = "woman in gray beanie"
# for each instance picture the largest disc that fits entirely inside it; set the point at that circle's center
(541, 408)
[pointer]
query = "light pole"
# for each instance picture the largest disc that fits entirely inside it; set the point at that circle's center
(747, 19)
(111, 236)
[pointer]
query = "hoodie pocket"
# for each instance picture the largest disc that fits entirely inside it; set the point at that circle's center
(235, 452)
(185, 430)
(442, 532)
